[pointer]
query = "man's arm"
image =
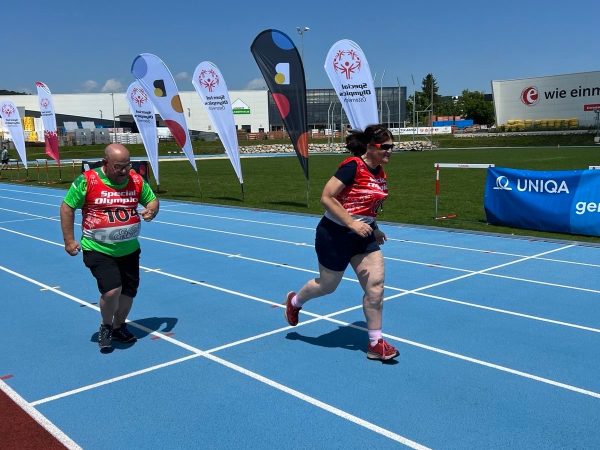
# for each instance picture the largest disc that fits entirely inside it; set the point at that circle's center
(67, 221)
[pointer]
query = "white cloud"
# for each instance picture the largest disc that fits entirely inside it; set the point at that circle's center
(256, 84)
(182, 76)
(112, 85)
(89, 86)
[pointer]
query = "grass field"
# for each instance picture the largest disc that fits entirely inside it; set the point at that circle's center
(278, 182)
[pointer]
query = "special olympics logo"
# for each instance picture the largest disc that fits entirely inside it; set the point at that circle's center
(208, 79)
(44, 103)
(502, 183)
(530, 96)
(139, 96)
(347, 62)
(7, 110)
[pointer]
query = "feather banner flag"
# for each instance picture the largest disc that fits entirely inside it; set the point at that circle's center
(210, 86)
(281, 67)
(157, 80)
(12, 121)
(350, 75)
(49, 120)
(143, 113)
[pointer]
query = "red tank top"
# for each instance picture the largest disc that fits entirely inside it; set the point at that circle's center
(110, 215)
(365, 196)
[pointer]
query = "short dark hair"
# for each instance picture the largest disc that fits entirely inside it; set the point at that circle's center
(357, 141)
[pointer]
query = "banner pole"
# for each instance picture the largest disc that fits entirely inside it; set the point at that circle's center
(242, 186)
(47, 176)
(437, 189)
(307, 191)
(199, 187)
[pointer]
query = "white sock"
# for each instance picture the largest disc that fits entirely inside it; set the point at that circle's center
(374, 336)
(295, 302)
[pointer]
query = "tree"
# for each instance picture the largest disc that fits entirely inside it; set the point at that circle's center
(423, 98)
(473, 106)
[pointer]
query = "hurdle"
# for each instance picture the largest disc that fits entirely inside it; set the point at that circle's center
(439, 166)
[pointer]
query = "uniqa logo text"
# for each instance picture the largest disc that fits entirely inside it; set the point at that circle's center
(548, 186)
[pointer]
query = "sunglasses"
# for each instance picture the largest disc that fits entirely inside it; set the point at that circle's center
(383, 146)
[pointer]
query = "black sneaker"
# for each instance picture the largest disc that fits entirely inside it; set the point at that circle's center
(122, 334)
(105, 337)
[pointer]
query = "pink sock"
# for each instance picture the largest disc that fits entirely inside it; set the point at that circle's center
(374, 336)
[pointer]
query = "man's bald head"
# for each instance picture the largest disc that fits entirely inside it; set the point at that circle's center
(116, 152)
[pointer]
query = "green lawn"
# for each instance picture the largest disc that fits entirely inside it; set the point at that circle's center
(278, 182)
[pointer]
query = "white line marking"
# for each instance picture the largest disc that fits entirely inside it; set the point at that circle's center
(311, 400)
(39, 417)
(330, 318)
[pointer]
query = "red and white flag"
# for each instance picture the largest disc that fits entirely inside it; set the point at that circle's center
(49, 120)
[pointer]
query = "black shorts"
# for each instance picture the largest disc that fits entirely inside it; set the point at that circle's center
(112, 272)
(336, 245)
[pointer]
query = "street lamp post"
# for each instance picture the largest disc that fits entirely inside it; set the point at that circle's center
(112, 95)
(301, 31)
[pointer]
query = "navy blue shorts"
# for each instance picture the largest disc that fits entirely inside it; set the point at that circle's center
(111, 272)
(336, 245)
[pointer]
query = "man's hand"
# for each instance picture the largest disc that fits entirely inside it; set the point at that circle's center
(72, 247)
(148, 214)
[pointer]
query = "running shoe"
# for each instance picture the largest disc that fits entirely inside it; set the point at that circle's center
(291, 312)
(122, 334)
(382, 351)
(104, 337)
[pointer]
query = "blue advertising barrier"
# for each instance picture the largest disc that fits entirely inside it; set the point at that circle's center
(559, 201)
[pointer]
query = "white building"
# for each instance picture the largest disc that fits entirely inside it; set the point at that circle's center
(250, 108)
(570, 97)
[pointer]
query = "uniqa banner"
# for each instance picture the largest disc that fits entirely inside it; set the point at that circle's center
(210, 86)
(558, 201)
(12, 121)
(279, 62)
(350, 76)
(157, 80)
(48, 120)
(143, 113)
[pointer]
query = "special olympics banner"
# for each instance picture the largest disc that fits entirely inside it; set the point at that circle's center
(210, 86)
(49, 120)
(12, 121)
(558, 201)
(350, 76)
(279, 62)
(143, 113)
(157, 80)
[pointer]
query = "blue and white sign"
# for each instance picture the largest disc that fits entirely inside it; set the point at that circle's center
(559, 201)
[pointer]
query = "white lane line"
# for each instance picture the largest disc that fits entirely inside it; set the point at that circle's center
(113, 380)
(39, 417)
(452, 247)
(402, 292)
(330, 318)
(306, 398)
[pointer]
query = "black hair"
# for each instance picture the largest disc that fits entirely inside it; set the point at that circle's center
(357, 141)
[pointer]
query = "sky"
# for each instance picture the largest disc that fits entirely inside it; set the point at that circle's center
(84, 46)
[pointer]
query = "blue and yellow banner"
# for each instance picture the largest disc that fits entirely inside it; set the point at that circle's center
(558, 201)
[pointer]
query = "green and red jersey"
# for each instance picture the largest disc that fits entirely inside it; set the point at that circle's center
(110, 221)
